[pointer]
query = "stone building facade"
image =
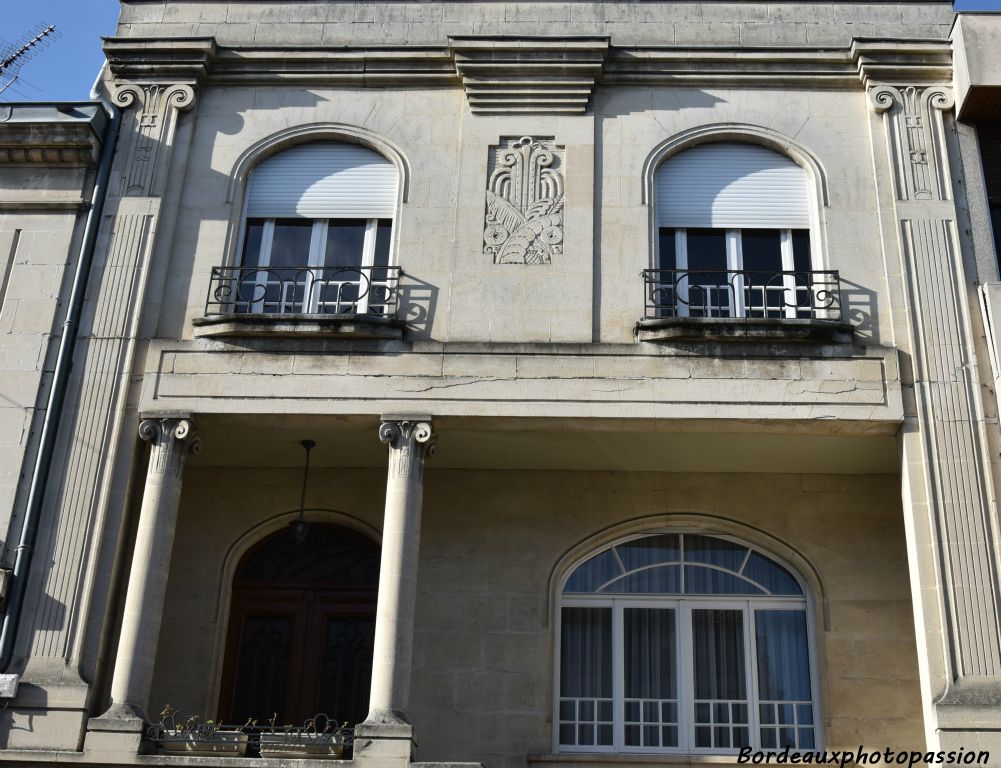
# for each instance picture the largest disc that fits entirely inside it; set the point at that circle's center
(521, 383)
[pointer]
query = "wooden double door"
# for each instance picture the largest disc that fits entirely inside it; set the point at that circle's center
(299, 647)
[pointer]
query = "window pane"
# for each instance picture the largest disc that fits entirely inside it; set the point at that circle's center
(666, 252)
(709, 291)
(771, 576)
(718, 640)
(383, 238)
(290, 247)
(650, 649)
(664, 580)
(586, 653)
(706, 249)
(345, 243)
(706, 549)
(761, 250)
(252, 242)
(709, 581)
(764, 284)
(783, 658)
(801, 250)
(650, 550)
(262, 667)
(593, 573)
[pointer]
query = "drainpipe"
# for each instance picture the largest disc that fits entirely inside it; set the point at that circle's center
(53, 410)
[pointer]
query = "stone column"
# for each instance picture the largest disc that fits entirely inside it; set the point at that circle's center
(387, 731)
(171, 439)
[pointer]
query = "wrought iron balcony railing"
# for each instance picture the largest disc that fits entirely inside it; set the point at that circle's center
(794, 295)
(304, 291)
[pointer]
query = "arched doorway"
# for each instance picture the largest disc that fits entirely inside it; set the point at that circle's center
(301, 628)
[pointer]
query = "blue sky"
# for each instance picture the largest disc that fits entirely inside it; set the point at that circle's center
(66, 69)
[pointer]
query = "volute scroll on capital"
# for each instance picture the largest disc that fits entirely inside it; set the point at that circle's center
(408, 433)
(160, 432)
(154, 97)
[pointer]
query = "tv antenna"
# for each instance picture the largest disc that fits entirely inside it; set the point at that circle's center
(13, 56)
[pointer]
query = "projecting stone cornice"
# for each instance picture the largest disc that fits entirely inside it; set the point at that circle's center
(728, 67)
(173, 60)
(539, 74)
(51, 135)
(902, 62)
(529, 74)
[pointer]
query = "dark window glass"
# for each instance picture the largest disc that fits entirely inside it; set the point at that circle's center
(262, 670)
(783, 658)
(708, 286)
(801, 250)
(252, 242)
(383, 238)
(346, 668)
(665, 249)
(718, 642)
(586, 653)
(345, 243)
(761, 250)
(290, 246)
(650, 656)
(706, 249)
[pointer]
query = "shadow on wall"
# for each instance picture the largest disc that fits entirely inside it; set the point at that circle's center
(859, 307)
(418, 301)
(630, 101)
(11, 720)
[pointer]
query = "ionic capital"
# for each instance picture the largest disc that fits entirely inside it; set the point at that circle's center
(170, 440)
(410, 441)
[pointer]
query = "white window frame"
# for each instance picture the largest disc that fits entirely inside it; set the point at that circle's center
(734, 262)
(315, 261)
(683, 606)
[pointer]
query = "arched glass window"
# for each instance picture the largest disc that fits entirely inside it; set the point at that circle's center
(682, 642)
(317, 233)
(733, 234)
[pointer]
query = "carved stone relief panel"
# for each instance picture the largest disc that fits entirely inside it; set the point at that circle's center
(524, 210)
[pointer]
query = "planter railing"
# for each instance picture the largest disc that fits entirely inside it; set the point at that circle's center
(317, 737)
(304, 291)
(792, 295)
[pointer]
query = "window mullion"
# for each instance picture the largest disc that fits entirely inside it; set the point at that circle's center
(751, 665)
(735, 263)
(264, 263)
(681, 267)
(618, 676)
(366, 277)
(314, 261)
(686, 678)
(790, 300)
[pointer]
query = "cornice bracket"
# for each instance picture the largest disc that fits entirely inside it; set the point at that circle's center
(533, 75)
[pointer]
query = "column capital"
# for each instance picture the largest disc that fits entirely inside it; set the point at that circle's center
(411, 439)
(170, 438)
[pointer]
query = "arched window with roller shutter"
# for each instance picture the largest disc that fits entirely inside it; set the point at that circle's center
(317, 233)
(733, 236)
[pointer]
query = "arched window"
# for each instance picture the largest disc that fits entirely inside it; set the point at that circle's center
(317, 234)
(733, 235)
(302, 623)
(681, 642)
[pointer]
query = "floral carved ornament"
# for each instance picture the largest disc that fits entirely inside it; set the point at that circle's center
(524, 217)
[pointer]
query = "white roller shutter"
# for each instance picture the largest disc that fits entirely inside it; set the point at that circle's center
(324, 181)
(732, 186)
